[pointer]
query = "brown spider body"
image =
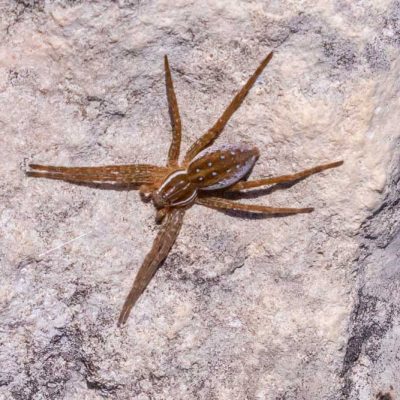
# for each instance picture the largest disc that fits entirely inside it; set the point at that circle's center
(204, 177)
(209, 170)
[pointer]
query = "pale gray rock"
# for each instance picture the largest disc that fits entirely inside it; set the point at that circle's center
(301, 307)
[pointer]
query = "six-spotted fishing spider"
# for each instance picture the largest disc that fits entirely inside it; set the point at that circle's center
(203, 177)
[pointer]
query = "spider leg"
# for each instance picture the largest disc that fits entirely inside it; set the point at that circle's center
(123, 174)
(224, 204)
(208, 138)
(284, 178)
(161, 247)
(173, 153)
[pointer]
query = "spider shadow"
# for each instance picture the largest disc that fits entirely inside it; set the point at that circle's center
(117, 187)
(253, 194)
(251, 215)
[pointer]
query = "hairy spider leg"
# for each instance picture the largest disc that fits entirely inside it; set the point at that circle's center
(124, 174)
(224, 204)
(161, 247)
(173, 153)
(284, 178)
(212, 134)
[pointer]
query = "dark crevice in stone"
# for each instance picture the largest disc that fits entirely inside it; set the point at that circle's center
(376, 309)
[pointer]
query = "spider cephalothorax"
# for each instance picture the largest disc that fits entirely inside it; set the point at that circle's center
(203, 177)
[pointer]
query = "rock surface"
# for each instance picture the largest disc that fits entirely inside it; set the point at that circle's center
(301, 307)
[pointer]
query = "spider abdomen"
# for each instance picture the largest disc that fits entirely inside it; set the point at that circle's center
(215, 169)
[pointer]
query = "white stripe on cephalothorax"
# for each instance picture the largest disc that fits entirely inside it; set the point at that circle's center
(186, 201)
(169, 179)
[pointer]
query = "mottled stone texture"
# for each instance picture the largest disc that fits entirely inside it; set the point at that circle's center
(301, 307)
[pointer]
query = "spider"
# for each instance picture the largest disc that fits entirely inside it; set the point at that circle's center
(204, 177)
